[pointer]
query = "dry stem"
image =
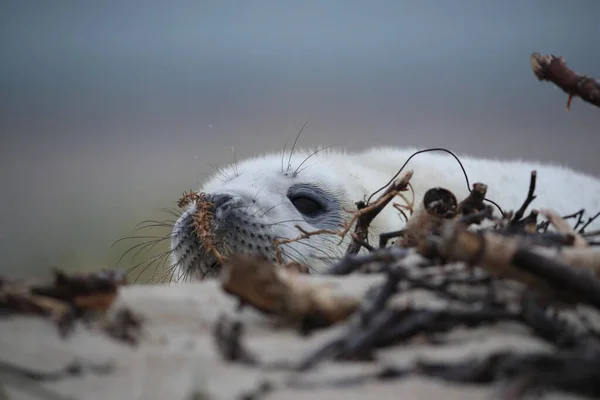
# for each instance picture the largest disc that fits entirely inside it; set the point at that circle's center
(366, 215)
(304, 235)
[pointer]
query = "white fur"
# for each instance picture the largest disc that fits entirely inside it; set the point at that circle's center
(354, 176)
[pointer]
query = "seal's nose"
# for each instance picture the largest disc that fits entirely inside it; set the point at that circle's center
(220, 201)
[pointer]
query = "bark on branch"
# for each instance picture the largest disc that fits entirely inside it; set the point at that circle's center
(554, 69)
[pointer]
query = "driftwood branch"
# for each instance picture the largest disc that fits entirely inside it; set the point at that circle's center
(570, 274)
(255, 281)
(554, 69)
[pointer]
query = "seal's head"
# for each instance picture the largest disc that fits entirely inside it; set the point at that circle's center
(263, 199)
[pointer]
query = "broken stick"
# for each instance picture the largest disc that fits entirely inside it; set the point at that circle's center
(554, 69)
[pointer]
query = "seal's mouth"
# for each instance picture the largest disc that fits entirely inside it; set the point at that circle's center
(207, 268)
(191, 258)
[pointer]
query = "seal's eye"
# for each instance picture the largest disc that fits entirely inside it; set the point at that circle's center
(306, 205)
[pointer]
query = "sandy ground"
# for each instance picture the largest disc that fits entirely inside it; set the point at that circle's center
(176, 357)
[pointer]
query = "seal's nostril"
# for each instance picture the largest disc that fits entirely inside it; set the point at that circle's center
(219, 200)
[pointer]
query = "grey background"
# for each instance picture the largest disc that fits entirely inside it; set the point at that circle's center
(109, 110)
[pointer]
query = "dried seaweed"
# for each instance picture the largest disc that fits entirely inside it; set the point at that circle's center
(202, 218)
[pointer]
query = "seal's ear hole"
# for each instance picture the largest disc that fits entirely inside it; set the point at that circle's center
(306, 205)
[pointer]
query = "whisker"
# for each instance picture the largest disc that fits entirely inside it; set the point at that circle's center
(299, 253)
(326, 255)
(165, 271)
(269, 209)
(158, 267)
(150, 226)
(294, 146)
(253, 201)
(284, 222)
(151, 246)
(154, 224)
(169, 272)
(221, 172)
(135, 237)
(145, 261)
(306, 159)
(303, 242)
(147, 267)
(143, 246)
(176, 213)
(283, 152)
(235, 165)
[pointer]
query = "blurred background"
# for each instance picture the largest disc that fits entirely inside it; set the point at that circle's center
(109, 110)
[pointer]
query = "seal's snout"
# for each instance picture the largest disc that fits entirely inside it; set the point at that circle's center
(230, 226)
(220, 200)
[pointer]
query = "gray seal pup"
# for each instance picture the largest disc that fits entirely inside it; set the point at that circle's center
(261, 199)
